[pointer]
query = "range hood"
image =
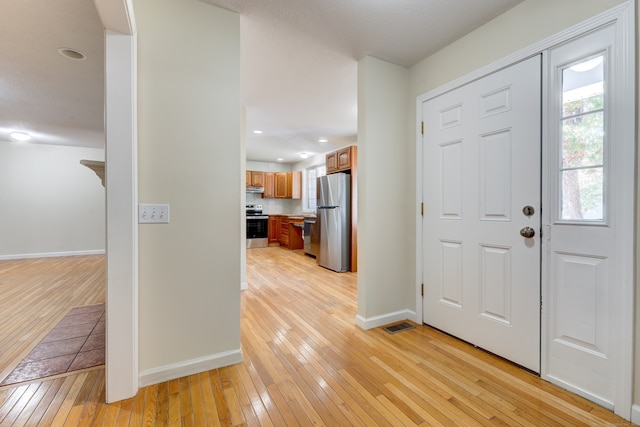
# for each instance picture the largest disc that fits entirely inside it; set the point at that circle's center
(251, 189)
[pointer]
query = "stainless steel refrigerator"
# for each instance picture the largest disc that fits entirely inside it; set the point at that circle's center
(334, 221)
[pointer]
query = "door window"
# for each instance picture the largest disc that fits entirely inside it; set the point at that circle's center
(583, 148)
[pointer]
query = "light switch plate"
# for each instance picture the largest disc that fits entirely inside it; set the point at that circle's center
(153, 214)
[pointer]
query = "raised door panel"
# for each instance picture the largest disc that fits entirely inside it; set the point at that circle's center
(344, 159)
(269, 183)
(274, 229)
(295, 185)
(332, 162)
(281, 185)
(248, 179)
(257, 179)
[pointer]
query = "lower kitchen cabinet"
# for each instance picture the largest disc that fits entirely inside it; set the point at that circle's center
(274, 229)
(291, 233)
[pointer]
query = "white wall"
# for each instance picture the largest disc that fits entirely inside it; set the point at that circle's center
(516, 29)
(190, 156)
(50, 204)
(383, 279)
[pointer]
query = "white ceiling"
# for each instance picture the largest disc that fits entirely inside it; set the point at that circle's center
(298, 65)
(56, 99)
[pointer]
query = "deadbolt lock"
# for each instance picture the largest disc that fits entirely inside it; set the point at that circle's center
(528, 210)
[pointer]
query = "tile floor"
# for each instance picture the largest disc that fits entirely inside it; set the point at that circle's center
(77, 342)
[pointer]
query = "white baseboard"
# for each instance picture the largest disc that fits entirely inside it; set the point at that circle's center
(385, 319)
(52, 254)
(635, 414)
(189, 367)
(244, 286)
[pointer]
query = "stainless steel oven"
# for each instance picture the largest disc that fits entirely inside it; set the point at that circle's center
(257, 227)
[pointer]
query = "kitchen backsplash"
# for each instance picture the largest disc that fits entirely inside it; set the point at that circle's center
(275, 206)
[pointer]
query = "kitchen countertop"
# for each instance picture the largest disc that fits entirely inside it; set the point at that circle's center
(294, 216)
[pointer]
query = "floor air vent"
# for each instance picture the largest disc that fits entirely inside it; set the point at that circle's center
(404, 326)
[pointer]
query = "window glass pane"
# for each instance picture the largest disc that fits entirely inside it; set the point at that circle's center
(311, 189)
(582, 194)
(583, 140)
(583, 87)
(312, 174)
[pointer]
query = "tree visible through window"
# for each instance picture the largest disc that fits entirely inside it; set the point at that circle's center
(583, 141)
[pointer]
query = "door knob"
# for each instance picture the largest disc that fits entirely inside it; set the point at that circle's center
(528, 232)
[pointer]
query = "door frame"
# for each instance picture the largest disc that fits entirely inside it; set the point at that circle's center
(121, 166)
(623, 17)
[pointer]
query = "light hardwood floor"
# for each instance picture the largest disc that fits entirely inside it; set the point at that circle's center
(305, 363)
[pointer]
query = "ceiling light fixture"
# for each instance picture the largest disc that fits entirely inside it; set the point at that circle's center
(304, 155)
(257, 131)
(323, 140)
(20, 136)
(280, 159)
(72, 54)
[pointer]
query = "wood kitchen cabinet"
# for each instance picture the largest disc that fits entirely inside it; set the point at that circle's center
(274, 229)
(269, 185)
(341, 160)
(288, 185)
(284, 232)
(254, 179)
(294, 186)
(344, 159)
(331, 162)
(280, 185)
(291, 233)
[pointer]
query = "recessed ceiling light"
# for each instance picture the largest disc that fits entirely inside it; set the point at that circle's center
(304, 155)
(257, 131)
(323, 140)
(280, 159)
(72, 54)
(20, 136)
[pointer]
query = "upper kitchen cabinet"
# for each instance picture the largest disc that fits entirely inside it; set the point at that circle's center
(288, 185)
(255, 179)
(269, 185)
(280, 185)
(294, 187)
(341, 160)
(332, 162)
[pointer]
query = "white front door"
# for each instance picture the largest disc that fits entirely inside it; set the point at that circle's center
(588, 246)
(481, 172)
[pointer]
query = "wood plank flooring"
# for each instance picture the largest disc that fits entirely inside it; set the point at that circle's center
(305, 363)
(35, 294)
